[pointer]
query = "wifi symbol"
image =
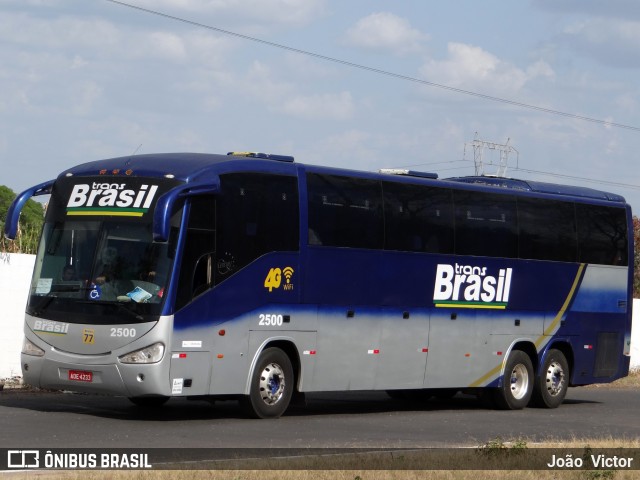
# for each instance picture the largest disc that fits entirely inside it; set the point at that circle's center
(288, 273)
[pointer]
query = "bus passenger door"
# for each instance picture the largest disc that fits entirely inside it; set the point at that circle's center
(454, 348)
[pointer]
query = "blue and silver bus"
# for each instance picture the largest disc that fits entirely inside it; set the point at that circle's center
(249, 276)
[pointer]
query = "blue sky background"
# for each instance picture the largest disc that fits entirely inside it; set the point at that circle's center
(83, 80)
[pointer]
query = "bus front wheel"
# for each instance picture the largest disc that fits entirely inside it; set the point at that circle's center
(271, 385)
(517, 383)
(552, 382)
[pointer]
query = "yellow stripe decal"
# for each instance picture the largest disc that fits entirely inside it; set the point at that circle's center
(468, 305)
(550, 330)
(553, 328)
(106, 212)
(487, 376)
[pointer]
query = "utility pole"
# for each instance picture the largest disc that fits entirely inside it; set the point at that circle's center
(480, 162)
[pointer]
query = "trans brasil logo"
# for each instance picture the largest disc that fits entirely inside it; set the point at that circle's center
(110, 199)
(466, 286)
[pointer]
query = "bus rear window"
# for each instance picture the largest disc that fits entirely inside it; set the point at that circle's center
(602, 234)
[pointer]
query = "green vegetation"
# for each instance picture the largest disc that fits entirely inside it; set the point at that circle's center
(498, 446)
(31, 220)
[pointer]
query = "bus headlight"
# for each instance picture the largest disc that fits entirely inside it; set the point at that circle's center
(151, 354)
(29, 348)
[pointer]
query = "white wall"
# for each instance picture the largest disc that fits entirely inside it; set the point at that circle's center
(635, 335)
(15, 275)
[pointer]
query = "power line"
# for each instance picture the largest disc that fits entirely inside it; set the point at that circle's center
(380, 71)
(431, 163)
(525, 170)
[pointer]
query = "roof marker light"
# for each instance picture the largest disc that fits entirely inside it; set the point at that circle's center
(408, 173)
(266, 156)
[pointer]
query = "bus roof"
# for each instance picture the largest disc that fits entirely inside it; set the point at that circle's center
(540, 187)
(188, 167)
(181, 166)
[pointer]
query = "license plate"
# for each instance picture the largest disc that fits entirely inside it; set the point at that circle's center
(80, 376)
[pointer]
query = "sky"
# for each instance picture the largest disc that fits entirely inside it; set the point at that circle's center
(84, 80)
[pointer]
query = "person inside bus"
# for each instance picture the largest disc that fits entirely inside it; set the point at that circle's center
(68, 273)
(107, 274)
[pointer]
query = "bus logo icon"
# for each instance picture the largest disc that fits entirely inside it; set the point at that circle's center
(274, 278)
(466, 286)
(23, 459)
(288, 273)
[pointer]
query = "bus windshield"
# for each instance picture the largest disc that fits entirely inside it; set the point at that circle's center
(102, 268)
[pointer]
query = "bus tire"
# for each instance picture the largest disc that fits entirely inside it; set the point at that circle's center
(271, 387)
(553, 381)
(517, 383)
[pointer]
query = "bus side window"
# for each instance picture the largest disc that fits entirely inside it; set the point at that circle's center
(202, 275)
(486, 224)
(257, 214)
(345, 211)
(199, 246)
(547, 229)
(418, 218)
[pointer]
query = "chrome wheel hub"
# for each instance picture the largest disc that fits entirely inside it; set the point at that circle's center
(519, 381)
(554, 379)
(272, 383)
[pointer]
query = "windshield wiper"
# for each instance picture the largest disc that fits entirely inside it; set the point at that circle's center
(121, 307)
(43, 305)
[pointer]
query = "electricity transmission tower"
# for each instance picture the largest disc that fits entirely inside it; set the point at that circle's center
(481, 162)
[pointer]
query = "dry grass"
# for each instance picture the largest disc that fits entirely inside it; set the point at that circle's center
(630, 381)
(342, 475)
(315, 469)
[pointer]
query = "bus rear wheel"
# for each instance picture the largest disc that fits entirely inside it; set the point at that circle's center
(517, 383)
(271, 386)
(552, 383)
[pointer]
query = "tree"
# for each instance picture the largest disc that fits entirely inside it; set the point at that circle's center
(31, 220)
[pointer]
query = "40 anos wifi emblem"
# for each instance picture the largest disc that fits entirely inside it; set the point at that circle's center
(274, 278)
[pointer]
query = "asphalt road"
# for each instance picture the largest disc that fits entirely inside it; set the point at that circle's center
(339, 420)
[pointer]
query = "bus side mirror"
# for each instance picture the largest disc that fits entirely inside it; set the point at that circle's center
(13, 214)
